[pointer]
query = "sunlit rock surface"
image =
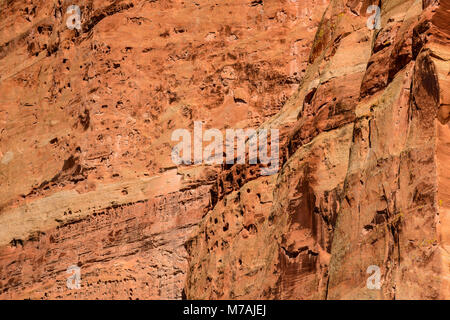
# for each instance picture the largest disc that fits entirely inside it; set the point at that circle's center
(86, 118)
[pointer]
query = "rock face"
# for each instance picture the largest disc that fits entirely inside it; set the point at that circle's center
(87, 115)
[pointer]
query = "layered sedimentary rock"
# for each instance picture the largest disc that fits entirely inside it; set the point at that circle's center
(86, 122)
(86, 118)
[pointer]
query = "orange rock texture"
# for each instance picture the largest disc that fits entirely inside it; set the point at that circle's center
(86, 122)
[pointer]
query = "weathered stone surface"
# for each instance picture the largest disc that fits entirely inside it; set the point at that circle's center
(362, 184)
(86, 118)
(87, 179)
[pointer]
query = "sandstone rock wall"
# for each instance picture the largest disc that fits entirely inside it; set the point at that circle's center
(86, 118)
(364, 173)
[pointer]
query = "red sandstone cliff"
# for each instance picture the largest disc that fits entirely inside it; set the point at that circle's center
(86, 118)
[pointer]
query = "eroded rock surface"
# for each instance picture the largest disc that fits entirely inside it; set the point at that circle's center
(364, 174)
(86, 118)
